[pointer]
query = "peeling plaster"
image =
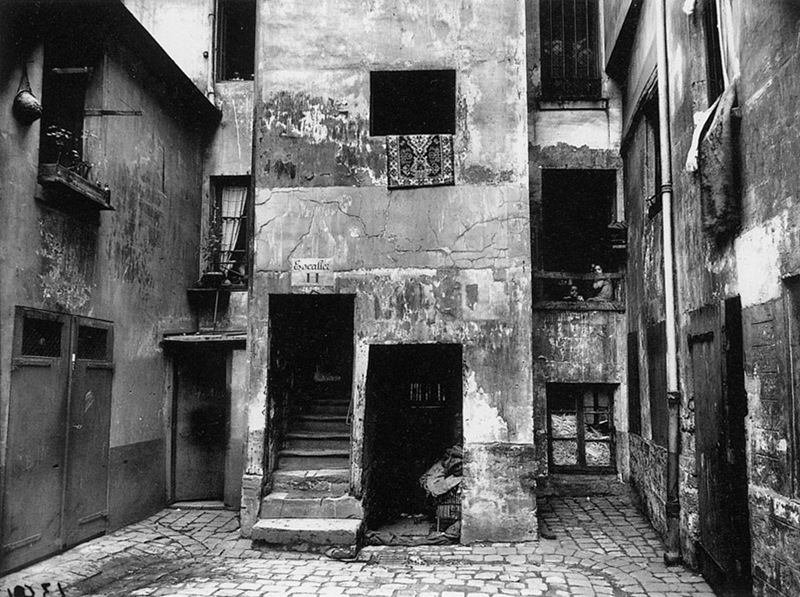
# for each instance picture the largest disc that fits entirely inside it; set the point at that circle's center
(758, 261)
(482, 421)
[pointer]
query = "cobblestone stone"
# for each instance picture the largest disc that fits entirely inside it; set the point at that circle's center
(603, 548)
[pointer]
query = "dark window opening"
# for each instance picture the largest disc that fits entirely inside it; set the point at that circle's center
(569, 58)
(413, 425)
(577, 209)
(634, 391)
(228, 245)
(657, 378)
(68, 68)
(715, 82)
(41, 337)
(652, 162)
(236, 40)
(580, 427)
(413, 102)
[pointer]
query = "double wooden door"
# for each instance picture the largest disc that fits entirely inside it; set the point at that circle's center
(55, 491)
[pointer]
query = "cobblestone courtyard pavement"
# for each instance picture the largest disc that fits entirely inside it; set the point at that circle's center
(603, 547)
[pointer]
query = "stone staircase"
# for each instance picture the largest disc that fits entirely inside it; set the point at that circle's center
(309, 506)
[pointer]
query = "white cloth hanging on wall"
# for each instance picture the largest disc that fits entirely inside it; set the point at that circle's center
(233, 202)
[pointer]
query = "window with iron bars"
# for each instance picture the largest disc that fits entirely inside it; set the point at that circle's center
(569, 59)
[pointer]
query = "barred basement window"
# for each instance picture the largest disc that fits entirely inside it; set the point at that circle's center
(569, 59)
(236, 40)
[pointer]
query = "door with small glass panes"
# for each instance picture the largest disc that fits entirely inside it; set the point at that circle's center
(55, 493)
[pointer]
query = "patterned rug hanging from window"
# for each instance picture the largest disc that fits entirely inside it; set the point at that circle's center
(419, 160)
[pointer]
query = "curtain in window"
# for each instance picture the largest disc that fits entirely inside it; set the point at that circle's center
(233, 202)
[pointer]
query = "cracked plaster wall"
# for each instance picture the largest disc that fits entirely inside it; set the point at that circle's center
(442, 264)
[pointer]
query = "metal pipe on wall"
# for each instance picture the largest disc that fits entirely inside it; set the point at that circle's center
(212, 50)
(672, 555)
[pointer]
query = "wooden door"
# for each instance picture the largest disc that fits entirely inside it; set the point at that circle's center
(200, 431)
(720, 407)
(59, 420)
(86, 503)
(35, 460)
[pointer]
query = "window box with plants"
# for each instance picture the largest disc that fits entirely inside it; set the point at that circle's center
(62, 167)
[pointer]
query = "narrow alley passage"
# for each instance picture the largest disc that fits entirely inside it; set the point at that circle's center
(603, 547)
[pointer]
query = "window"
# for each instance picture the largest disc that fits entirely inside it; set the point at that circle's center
(64, 168)
(577, 208)
(413, 102)
(228, 245)
(634, 391)
(580, 426)
(41, 337)
(236, 40)
(652, 163)
(569, 60)
(715, 82)
(657, 378)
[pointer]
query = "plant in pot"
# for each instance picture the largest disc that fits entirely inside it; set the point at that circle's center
(210, 248)
(66, 150)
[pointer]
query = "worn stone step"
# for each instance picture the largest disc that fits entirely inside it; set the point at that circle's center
(305, 440)
(319, 423)
(336, 481)
(313, 459)
(326, 407)
(310, 531)
(298, 505)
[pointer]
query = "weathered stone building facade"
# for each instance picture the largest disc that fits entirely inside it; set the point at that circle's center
(358, 316)
(734, 243)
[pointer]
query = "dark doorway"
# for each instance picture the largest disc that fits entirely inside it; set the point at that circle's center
(413, 417)
(310, 381)
(717, 360)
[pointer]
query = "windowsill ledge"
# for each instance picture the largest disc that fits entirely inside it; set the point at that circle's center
(545, 105)
(86, 194)
(618, 306)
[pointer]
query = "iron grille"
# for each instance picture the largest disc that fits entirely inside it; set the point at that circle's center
(426, 395)
(41, 337)
(92, 343)
(568, 31)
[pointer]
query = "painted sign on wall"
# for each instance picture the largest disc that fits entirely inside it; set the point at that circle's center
(312, 272)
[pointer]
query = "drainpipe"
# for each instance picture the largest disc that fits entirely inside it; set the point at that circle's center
(673, 506)
(212, 51)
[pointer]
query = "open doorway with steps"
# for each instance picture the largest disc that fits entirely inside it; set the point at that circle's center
(310, 386)
(413, 444)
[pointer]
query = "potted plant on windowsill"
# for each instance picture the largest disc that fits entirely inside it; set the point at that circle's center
(211, 277)
(62, 164)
